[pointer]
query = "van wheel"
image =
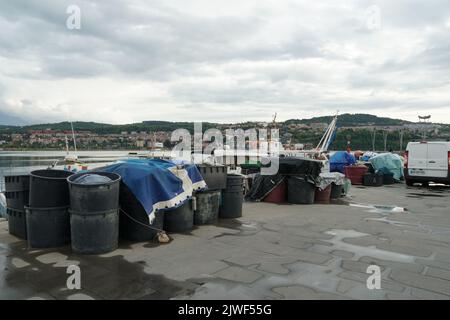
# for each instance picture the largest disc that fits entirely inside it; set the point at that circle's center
(409, 182)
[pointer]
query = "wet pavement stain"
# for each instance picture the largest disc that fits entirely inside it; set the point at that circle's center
(101, 277)
(188, 232)
(340, 202)
(155, 244)
(247, 228)
(420, 195)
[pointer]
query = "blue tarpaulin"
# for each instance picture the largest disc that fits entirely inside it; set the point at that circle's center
(158, 184)
(341, 159)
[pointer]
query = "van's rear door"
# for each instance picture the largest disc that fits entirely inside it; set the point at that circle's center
(437, 160)
(417, 159)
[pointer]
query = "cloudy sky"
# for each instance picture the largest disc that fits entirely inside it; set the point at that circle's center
(223, 61)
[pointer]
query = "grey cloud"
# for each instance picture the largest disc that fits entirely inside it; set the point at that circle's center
(226, 60)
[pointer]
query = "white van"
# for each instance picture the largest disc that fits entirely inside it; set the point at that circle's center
(427, 161)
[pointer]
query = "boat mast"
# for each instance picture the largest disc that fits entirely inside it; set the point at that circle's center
(67, 146)
(73, 136)
(325, 140)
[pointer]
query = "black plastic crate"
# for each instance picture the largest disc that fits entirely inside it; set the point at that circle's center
(388, 178)
(17, 199)
(373, 180)
(214, 176)
(17, 223)
(17, 183)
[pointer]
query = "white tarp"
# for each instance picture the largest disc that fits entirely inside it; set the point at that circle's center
(327, 178)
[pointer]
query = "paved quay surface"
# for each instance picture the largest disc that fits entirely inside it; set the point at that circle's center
(272, 252)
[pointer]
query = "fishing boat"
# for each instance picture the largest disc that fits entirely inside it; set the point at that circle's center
(264, 151)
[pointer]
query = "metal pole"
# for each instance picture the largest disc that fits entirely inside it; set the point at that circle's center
(373, 139)
(401, 140)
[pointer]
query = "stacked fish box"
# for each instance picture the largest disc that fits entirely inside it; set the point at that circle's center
(17, 197)
(207, 202)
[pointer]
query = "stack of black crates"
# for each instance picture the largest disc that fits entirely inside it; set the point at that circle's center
(17, 191)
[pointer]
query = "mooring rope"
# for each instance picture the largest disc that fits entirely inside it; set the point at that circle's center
(142, 224)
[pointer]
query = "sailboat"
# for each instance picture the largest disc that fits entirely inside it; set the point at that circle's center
(71, 158)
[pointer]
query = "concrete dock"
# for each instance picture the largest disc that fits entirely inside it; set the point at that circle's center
(272, 252)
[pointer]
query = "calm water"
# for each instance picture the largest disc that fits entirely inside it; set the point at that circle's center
(22, 162)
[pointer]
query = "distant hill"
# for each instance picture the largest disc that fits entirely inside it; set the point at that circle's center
(79, 125)
(344, 120)
(348, 120)
(103, 128)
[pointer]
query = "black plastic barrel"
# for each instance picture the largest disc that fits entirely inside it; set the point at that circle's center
(95, 232)
(336, 191)
(180, 219)
(49, 188)
(232, 197)
(94, 197)
(234, 182)
(134, 223)
(94, 213)
(48, 227)
(300, 191)
(17, 223)
(231, 204)
(207, 207)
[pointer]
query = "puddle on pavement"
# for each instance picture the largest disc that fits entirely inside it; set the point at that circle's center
(394, 222)
(382, 209)
(360, 251)
(322, 278)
